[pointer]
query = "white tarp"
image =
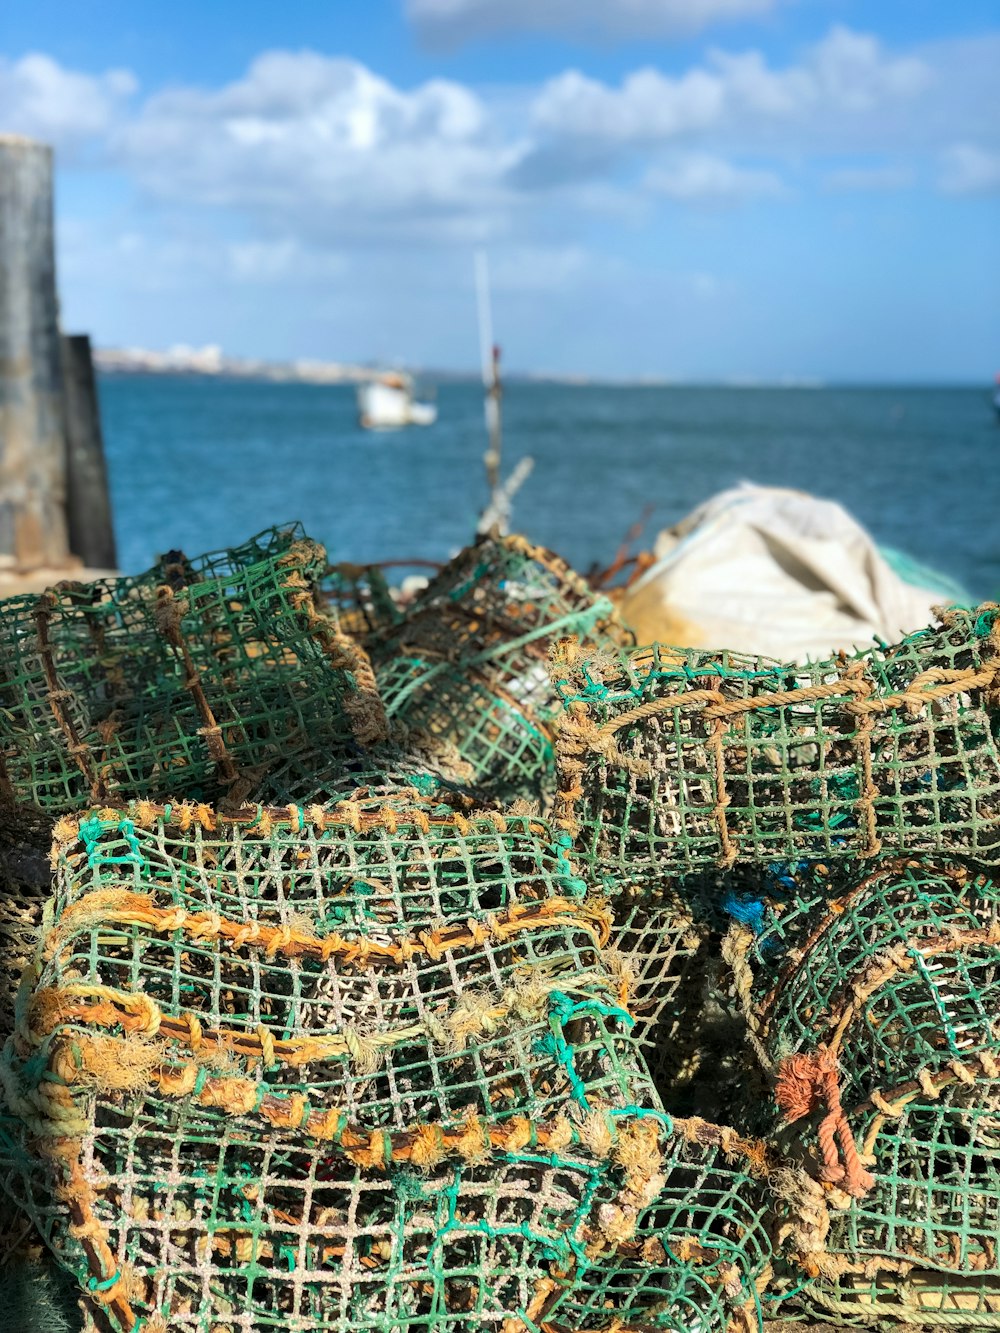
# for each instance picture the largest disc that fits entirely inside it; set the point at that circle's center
(778, 572)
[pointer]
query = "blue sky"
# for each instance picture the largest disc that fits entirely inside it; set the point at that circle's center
(688, 188)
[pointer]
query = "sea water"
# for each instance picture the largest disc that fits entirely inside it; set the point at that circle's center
(203, 463)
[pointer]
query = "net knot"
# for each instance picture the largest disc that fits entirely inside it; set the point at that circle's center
(168, 611)
(885, 1107)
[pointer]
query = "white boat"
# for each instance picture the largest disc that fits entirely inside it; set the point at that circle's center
(387, 402)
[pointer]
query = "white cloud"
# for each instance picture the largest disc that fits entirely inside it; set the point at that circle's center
(310, 206)
(320, 143)
(849, 179)
(324, 152)
(41, 99)
(306, 163)
(851, 71)
(649, 106)
(702, 177)
(845, 74)
(450, 22)
(969, 169)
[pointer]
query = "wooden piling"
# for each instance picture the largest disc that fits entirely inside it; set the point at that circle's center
(88, 503)
(33, 528)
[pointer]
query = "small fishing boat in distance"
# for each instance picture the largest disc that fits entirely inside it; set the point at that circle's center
(387, 401)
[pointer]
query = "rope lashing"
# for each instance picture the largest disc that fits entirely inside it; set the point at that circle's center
(808, 1083)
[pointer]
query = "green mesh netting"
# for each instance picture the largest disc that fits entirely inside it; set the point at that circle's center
(260, 1231)
(669, 935)
(36, 1296)
(20, 922)
(897, 975)
(699, 1259)
(304, 781)
(465, 672)
(876, 1016)
(325, 1069)
(387, 1065)
(25, 885)
(665, 952)
(700, 1256)
(191, 679)
(316, 776)
(674, 760)
(361, 599)
(921, 1246)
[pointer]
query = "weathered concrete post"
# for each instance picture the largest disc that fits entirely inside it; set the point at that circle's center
(33, 527)
(88, 503)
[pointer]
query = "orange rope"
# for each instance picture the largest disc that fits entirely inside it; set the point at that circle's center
(806, 1083)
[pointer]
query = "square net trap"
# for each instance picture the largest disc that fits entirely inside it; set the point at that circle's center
(324, 1069)
(465, 670)
(188, 680)
(674, 760)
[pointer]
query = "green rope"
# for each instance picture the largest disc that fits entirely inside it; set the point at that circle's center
(91, 832)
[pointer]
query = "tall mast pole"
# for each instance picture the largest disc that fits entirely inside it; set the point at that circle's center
(490, 358)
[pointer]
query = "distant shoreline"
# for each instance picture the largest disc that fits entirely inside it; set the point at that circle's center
(210, 363)
(435, 378)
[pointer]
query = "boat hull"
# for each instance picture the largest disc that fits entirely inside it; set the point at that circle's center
(388, 406)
